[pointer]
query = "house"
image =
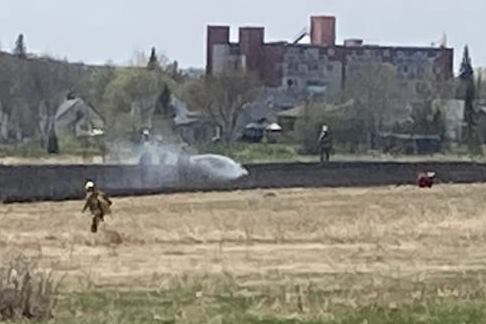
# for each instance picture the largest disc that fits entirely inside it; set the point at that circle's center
(288, 118)
(74, 117)
(193, 127)
(179, 121)
(254, 132)
(453, 114)
(408, 143)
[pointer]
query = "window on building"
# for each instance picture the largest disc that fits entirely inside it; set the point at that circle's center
(420, 72)
(330, 68)
(314, 83)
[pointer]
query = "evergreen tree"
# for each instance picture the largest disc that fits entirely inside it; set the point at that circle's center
(20, 49)
(163, 104)
(467, 78)
(153, 63)
(479, 85)
(52, 143)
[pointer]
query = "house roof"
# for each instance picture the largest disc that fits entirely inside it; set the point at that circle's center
(299, 111)
(183, 115)
(274, 127)
(70, 104)
(66, 106)
(292, 113)
(181, 120)
(254, 126)
(410, 136)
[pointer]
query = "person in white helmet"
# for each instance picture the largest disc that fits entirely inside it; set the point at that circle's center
(325, 144)
(98, 203)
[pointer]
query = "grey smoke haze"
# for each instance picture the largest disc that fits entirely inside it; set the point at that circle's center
(213, 167)
(95, 31)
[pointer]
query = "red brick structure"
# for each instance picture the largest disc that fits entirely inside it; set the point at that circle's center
(323, 31)
(322, 63)
(217, 35)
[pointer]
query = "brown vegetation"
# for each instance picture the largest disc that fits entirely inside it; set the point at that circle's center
(352, 238)
(25, 292)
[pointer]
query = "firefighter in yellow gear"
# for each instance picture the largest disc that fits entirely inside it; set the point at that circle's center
(98, 203)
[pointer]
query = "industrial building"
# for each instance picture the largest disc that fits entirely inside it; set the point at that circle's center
(321, 65)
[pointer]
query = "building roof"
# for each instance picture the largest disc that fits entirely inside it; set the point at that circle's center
(183, 115)
(254, 126)
(66, 106)
(410, 136)
(300, 110)
(184, 120)
(274, 127)
(292, 113)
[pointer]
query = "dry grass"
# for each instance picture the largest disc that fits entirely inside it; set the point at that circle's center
(311, 249)
(26, 292)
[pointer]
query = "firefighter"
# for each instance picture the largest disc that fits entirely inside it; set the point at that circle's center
(98, 203)
(426, 179)
(325, 144)
(145, 136)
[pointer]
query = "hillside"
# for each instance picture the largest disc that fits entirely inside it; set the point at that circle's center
(30, 91)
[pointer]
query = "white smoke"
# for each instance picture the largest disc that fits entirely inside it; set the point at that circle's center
(217, 167)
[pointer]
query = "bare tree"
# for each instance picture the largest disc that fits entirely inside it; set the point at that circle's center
(50, 84)
(223, 97)
(375, 87)
(469, 86)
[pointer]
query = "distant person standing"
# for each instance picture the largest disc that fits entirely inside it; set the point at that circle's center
(98, 203)
(325, 144)
(145, 136)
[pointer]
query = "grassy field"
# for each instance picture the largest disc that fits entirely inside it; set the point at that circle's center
(383, 255)
(240, 152)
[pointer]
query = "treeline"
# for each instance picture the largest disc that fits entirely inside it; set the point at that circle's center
(33, 87)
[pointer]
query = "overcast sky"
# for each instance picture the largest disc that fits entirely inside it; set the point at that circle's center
(95, 31)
